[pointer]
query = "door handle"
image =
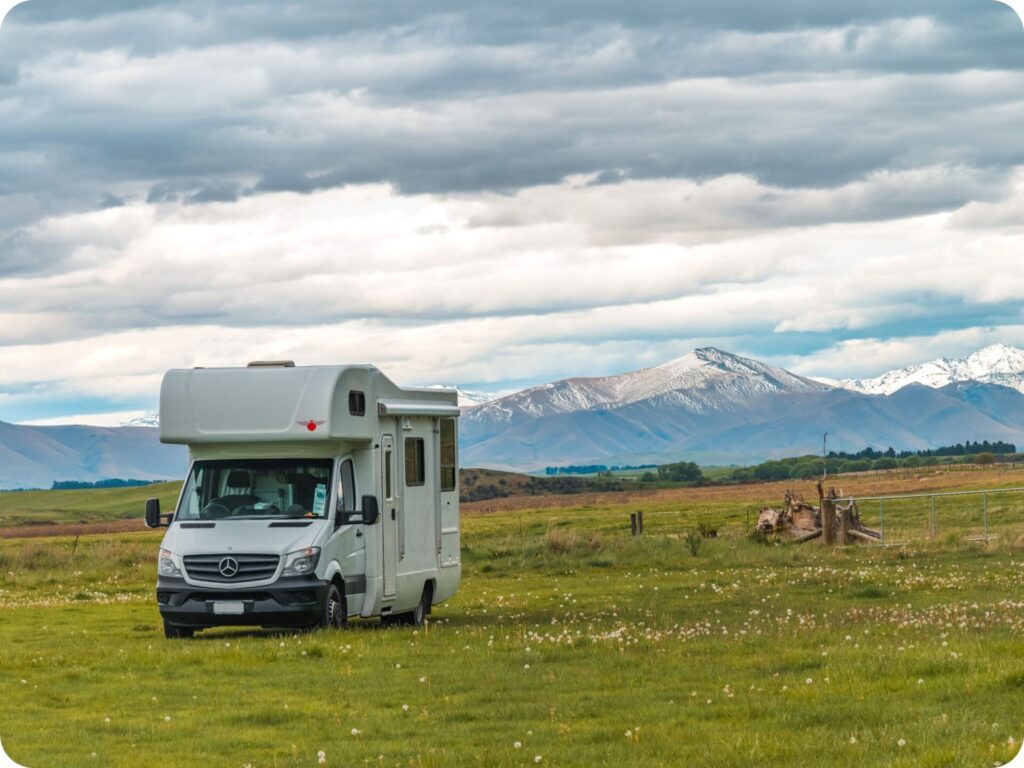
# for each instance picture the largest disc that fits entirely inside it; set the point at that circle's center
(392, 514)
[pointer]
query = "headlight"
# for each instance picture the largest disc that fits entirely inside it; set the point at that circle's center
(169, 564)
(302, 562)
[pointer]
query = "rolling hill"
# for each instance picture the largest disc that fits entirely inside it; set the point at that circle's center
(34, 457)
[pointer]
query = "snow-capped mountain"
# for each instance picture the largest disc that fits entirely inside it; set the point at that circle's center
(718, 407)
(997, 364)
(149, 420)
(705, 379)
(470, 398)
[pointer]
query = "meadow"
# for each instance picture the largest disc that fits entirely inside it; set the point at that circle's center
(569, 643)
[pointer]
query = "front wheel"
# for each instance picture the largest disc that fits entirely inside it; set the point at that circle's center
(335, 612)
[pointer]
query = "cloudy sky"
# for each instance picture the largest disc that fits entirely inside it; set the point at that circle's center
(498, 194)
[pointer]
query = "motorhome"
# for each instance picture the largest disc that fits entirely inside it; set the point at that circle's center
(313, 494)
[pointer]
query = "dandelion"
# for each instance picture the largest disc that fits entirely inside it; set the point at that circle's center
(526, 666)
(106, 720)
(810, 681)
(901, 743)
(321, 760)
(423, 679)
(405, 707)
(167, 719)
(853, 739)
(356, 732)
(398, 666)
(920, 681)
(629, 734)
(537, 758)
(517, 745)
(321, 754)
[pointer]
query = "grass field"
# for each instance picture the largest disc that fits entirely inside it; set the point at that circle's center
(90, 505)
(568, 637)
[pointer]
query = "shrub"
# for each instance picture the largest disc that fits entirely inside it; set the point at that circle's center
(560, 541)
(706, 531)
(693, 541)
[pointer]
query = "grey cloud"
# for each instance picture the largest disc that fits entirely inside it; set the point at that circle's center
(453, 96)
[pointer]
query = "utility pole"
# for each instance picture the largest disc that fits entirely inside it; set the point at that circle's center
(824, 455)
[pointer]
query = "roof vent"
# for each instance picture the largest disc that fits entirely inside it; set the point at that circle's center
(272, 364)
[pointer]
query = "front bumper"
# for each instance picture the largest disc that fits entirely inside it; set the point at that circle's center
(288, 602)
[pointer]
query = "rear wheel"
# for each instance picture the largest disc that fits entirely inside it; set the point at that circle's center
(335, 612)
(172, 631)
(417, 615)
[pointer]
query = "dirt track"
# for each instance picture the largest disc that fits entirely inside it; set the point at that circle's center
(864, 484)
(71, 529)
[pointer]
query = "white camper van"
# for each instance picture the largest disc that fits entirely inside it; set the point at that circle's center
(313, 494)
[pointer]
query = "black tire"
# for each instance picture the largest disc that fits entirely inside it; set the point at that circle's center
(417, 615)
(173, 631)
(334, 613)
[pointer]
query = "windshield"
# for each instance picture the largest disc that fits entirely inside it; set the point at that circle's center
(251, 489)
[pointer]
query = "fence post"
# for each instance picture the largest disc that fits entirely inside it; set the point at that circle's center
(935, 521)
(632, 523)
(985, 513)
(640, 521)
(881, 522)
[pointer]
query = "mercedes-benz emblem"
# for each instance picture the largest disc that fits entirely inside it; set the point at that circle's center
(228, 567)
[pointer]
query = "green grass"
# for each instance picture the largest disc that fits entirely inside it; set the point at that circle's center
(566, 634)
(90, 505)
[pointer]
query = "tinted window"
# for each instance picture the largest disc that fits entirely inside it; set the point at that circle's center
(414, 474)
(356, 403)
(449, 470)
(387, 475)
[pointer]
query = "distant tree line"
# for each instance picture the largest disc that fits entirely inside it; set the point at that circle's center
(488, 487)
(997, 448)
(80, 485)
(809, 467)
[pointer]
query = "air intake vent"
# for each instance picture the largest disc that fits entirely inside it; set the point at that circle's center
(231, 567)
(197, 525)
(272, 364)
(289, 524)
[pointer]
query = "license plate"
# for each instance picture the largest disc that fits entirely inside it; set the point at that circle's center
(232, 608)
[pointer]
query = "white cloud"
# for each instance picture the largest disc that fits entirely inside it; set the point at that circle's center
(482, 287)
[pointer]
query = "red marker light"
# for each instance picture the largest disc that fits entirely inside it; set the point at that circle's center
(311, 426)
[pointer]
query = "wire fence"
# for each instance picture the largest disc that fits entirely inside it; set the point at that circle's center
(984, 515)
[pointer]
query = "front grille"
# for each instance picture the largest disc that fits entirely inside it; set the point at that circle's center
(250, 567)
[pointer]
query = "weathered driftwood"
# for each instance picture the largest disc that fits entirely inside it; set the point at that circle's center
(799, 521)
(807, 537)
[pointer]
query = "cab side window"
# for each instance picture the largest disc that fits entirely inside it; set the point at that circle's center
(347, 486)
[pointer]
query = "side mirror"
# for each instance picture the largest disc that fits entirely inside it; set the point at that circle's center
(153, 513)
(370, 510)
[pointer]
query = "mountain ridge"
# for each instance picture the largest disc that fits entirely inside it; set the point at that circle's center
(995, 364)
(715, 406)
